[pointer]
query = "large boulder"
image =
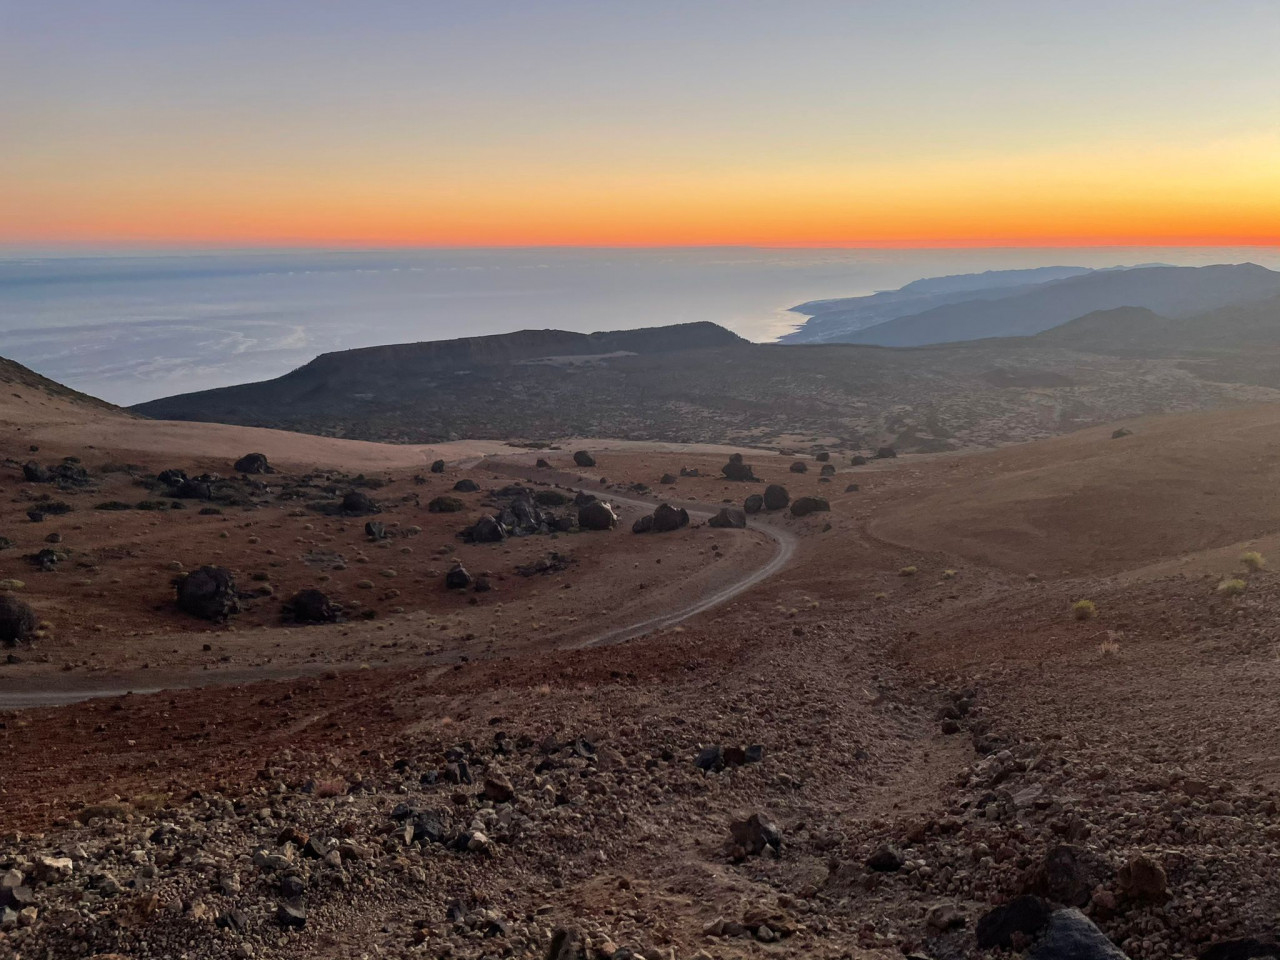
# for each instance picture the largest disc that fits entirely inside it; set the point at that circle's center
(1020, 919)
(803, 506)
(359, 504)
(466, 485)
(822, 457)
(1071, 935)
(828, 470)
(437, 466)
(643, 525)
(729, 518)
(799, 467)
(737, 469)
(597, 515)
(753, 503)
(457, 578)
(194, 490)
(858, 460)
(667, 518)
(445, 505)
(488, 529)
(253, 463)
(1067, 875)
(208, 593)
(33, 472)
(584, 459)
(172, 477)
(17, 620)
(886, 453)
(312, 606)
(776, 497)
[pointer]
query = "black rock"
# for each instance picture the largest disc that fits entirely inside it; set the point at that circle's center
(316, 848)
(776, 497)
(799, 467)
(17, 621)
(172, 477)
(1071, 935)
(668, 479)
(710, 758)
(753, 503)
(466, 485)
(457, 578)
(253, 463)
(886, 453)
(357, 503)
(292, 887)
(643, 524)
(736, 469)
(1026, 915)
(851, 488)
(828, 470)
(291, 916)
(822, 457)
(1246, 948)
(886, 859)
(445, 505)
(375, 530)
(208, 593)
(194, 490)
(32, 472)
(542, 464)
(804, 506)
(858, 461)
(755, 833)
(667, 518)
(437, 466)
(488, 530)
(729, 518)
(584, 459)
(597, 515)
(430, 827)
(313, 606)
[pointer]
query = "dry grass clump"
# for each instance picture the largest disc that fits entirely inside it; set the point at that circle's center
(1084, 609)
(948, 574)
(1233, 587)
(908, 571)
(1109, 648)
(1253, 560)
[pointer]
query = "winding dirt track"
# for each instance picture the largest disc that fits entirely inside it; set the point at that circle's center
(784, 539)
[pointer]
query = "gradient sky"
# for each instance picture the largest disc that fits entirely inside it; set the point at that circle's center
(638, 122)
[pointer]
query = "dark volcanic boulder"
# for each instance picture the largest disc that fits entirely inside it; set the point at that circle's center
(253, 463)
(851, 488)
(799, 467)
(359, 504)
(582, 498)
(753, 503)
(858, 461)
(804, 506)
(828, 470)
(488, 530)
(466, 485)
(753, 834)
(822, 457)
(437, 466)
(551, 498)
(668, 479)
(1025, 916)
(194, 490)
(208, 593)
(446, 505)
(172, 477)
(686, 472)
(312, 606)
(32, 472)
(1071, 935)
(597, 515)
(17, 620)
(643, 525)
(584, 459)
(886, 453)
(729, 518)
(667, 518)
(375, 531)
(736, 469)
(457, 578)
(776, 497)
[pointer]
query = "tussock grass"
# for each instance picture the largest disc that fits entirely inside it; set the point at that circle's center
(1233, 587)
(908, 571)
(1253, 560)
(1084, 609)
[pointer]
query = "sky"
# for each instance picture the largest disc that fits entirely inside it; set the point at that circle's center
(382, 123)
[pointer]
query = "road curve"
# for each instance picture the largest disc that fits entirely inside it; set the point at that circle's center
(785, 540)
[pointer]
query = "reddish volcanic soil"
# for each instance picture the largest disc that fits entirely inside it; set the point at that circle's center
(913, 672)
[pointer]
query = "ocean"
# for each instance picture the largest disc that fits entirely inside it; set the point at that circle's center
(133, 328)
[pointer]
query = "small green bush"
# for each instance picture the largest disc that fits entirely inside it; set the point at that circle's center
(1253, 560)
(1232, 587)
(1084, 609)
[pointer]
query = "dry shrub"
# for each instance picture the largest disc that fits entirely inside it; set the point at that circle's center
(1233, 587)
(1084, 609)
(1253, 560)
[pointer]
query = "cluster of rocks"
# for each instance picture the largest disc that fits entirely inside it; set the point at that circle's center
(67, 474)
(664, 519)
(738, 469)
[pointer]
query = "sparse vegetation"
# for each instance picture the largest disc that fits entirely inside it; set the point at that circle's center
(908, 571)
(948, 574)
(1109, 648)
(1232, 587)
(1084, 609)
(1253, 560)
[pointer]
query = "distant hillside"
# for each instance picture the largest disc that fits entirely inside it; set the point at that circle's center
(832, 321)
(1170, 291)
(1143, 332)
(15, 374)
